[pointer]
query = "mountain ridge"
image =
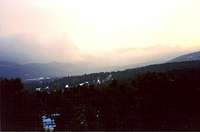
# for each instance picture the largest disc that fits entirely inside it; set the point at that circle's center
(61, 69)
(187, 57)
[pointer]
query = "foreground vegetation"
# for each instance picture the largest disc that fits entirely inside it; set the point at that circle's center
(150, 101)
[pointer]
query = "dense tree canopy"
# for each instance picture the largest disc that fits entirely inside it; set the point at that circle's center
(149, 101)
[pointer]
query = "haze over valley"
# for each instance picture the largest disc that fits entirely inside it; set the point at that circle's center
(99, 65)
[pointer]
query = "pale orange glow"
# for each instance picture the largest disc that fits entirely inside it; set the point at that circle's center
(96, 27)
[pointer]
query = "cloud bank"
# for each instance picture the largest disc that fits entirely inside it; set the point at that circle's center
(102, 33)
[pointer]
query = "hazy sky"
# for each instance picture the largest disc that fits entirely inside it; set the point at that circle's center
(111, 32)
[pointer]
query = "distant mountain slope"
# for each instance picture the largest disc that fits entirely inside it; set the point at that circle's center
(36, 70)
(10, 69)
(6, 63)
(128, 74)
(188, 57)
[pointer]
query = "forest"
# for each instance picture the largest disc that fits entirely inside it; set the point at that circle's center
(150, 101)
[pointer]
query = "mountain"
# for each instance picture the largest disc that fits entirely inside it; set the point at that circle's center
(165, 67)
(124, 75)
(33, 71)
(10, 69)
(38, 70)
(188, 57)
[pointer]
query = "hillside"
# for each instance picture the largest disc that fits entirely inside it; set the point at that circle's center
(188, 57)
(38, 70)
(167, 101)
(123, 75)
(55, 69)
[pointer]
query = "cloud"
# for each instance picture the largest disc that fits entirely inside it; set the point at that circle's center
(28, 49)
(136, 56)
(97, 32)
(25, 49)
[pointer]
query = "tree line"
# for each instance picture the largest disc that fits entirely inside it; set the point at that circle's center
(149, 101)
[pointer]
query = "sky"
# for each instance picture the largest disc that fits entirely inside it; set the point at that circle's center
(103, 32)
